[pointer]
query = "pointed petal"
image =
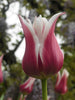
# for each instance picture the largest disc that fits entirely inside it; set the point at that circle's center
(44, 20)
(64, 77)
(51, 24)
(65, 73)
(38, 26)
(44, 24)
(29, 60)
(27, 86)
(51, 53)
(62, 85)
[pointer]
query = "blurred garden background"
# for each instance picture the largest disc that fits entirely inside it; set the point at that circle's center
(12, 44)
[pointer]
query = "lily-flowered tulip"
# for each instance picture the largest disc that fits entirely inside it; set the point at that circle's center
(1, 73)
(43, 56)
(61, 84)
(27, 87)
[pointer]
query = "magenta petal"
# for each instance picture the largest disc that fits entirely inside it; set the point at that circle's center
(1, 77)
(61, 83)
(62, 87)
(29, 60)
(52, 54)
(27, 87)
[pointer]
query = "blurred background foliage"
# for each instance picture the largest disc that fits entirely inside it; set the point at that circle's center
(65, 29)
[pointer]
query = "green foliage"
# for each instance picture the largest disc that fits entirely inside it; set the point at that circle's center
(15, 75)
(1, 98)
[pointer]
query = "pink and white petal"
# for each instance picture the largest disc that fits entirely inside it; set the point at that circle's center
(28, 24)
(45, 21)
(58, 78)
(65, 73)
(64, 77)
(38, 27)
(51, 24)
(29, 58)
(27, 86)
(63, 85)
(52, 54)
(30, 82)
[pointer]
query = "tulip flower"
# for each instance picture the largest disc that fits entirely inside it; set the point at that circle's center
(61, 84)
(43, 56)
(27, 87)
(1, 73)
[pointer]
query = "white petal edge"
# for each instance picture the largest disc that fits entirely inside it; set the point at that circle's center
(59, 78)
(27, 22)
(29, 85)
(49, 24)
(65, 72)
(38, 27)
(46, 30)
(30, 27)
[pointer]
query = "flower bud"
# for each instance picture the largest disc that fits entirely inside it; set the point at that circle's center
(61, 83)
(27, 87)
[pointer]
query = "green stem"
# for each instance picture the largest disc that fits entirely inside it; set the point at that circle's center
(44, 89)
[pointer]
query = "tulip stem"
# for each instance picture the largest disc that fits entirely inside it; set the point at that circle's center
(44, 89)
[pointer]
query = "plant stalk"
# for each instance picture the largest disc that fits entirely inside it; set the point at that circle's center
(44, 89)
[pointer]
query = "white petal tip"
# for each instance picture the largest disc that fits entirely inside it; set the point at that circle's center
(65, 72)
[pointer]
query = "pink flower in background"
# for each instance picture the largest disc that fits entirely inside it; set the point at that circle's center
(22, 98)
(43, 56)
(61, 84)
(27, 87)
(1, 73)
